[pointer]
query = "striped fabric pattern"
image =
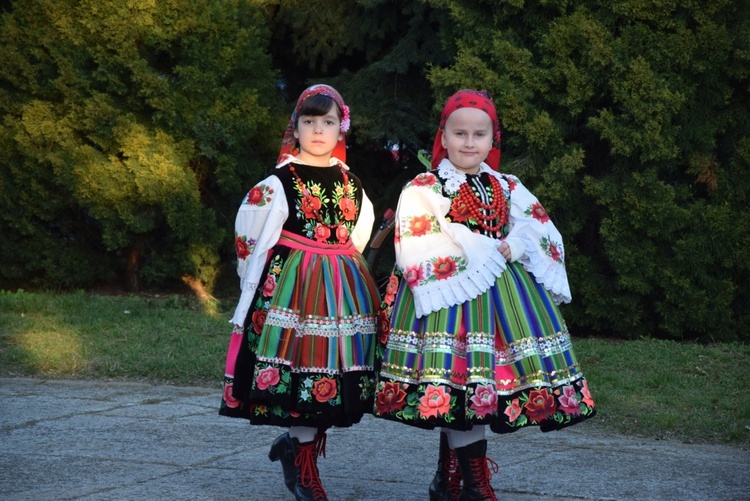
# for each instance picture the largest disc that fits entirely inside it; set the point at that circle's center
(511, 339)
(317, 323)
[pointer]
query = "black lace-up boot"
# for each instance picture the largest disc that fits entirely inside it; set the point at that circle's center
(446, 484)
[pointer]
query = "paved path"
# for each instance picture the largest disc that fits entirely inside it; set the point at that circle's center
(64, 440)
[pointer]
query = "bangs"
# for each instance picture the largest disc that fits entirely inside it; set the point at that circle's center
(317, 106)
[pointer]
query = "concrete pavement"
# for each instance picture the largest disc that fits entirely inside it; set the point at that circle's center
(93, 440)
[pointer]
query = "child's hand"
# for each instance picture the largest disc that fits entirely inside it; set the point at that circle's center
(505, 251)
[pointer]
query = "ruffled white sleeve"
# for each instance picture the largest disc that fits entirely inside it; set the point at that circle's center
(543, 253)
(363, 228)
(257, 228)
(443, 263)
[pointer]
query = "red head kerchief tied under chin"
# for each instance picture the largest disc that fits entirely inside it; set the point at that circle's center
(289, 142)
(468, 98)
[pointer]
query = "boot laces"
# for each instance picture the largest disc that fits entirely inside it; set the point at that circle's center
(452, 473)
(320, 444)
(481, 472)
(306, 461)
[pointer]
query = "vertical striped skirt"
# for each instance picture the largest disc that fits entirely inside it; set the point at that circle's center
(306, 356)
(503, 359)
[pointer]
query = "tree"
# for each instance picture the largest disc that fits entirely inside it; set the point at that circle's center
(377, 54)
(130, 130)
(629, 120)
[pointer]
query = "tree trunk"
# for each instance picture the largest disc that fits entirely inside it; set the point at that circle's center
(132, 270)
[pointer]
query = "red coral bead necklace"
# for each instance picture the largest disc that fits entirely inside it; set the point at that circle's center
(485, 213)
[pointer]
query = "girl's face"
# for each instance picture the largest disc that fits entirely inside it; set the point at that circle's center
(467, 137)
(318, 136)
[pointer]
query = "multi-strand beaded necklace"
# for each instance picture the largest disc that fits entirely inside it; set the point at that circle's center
(484, 214)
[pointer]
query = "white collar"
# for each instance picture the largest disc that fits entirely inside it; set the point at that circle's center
(454, 178)
(291, 158)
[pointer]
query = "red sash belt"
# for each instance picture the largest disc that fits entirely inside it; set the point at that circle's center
(294, 241)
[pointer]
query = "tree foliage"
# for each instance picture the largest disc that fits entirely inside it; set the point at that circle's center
(130, 130)
(377, 54)
(630, 120)
(127, 127)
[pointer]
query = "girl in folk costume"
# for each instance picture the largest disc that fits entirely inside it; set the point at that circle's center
(302, 352)
(476, 337)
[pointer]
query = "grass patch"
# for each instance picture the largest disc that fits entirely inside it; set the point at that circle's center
(661, 389)
(171, 339)
(696, 393)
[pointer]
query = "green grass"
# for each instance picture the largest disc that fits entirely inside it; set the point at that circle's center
(697, 393)
(170, 339)
(660, 389)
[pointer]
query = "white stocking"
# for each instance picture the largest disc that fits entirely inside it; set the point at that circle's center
(458, 439)
(303, 434)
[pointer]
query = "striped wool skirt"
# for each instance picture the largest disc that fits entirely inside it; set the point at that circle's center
(503, 359)
(306, 355)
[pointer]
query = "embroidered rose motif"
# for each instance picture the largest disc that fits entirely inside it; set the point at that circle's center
(391, 289)
(413, 275)
(348, 208)
(240, 244)
(420, 225)
(587, 399)
(310, 205)
(484, 400)
(324, 389)
(321, 233)
(267, 377)
(459, 210)
(384, 327)
(255, 196)
(553, 252)
(425, 179)
(229, 399)
(259, 320)
(390, 399)
(444, 267)
(552, 249)
(269, 285)
(538, 212)
(342, 234)
(540, 405)
(436, 401)
(569, 401)
(513, 411)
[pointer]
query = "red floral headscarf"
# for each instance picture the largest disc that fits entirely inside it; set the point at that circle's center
(289, 142)
(468, 98)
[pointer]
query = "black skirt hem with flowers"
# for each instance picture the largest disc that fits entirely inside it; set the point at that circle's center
(549, 409)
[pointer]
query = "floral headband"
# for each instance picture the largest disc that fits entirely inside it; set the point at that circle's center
(289, 143)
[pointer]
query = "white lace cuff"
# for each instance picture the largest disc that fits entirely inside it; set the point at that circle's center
(479, 276)
(550, 274)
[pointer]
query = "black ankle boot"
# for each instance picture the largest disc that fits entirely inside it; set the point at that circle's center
(475, 472)
(282, 450)
(307, 485)
(446, 484)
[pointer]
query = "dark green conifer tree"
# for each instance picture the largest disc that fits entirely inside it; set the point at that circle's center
(630, 120)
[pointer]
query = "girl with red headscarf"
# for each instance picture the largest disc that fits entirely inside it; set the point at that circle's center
(302, 351)
(476, 337)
